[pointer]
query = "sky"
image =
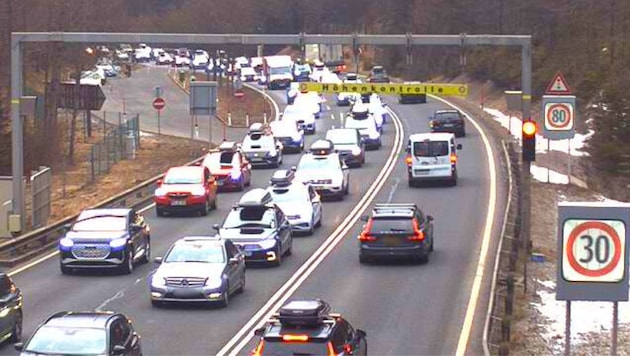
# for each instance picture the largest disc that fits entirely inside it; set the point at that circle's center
(586, 316)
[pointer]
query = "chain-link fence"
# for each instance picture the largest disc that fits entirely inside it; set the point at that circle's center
(499, 326)
(120, 142)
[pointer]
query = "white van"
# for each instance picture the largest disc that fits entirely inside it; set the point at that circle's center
(432, 156)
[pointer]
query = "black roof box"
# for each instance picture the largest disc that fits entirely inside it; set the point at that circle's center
(306, 312)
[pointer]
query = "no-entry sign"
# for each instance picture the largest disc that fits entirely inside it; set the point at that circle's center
(592, 252)
(159, 103)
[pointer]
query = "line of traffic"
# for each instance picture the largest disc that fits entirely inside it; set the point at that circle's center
(245, 333)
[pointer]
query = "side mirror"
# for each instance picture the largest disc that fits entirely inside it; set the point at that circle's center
(429, 217)
(361, 333)
(344, 167)
(317, 199)
(158, 182)
(407, 149)
(459, 146)
(215, 227)
(18, 346)
(233, 260)
(210, 180)
(67, 227)
(293, 168)
(119, 350)
(158, 260)
(364, 218)
(259, 331)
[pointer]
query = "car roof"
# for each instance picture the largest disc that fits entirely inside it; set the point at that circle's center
(105, 211)
(197, 239)
(394, 210)
(187, 169)
(444, 111)
(431, 136)
(321, 331)
(86, 319)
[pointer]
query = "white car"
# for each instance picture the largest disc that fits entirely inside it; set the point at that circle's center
(200, 59)
(318, 71)
(142, 53)
(248, 74)
(300, 202)
(288, 132)
(324, 170)
(303, 116)
(377, 108)
(310, 101)
(164, 58)
(241, 62)
(182, 60)
(122, 55)
(155, 52)
(365, 123)
(92, 78)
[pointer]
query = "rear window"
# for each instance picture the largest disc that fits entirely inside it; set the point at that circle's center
(430, 148)
(280, 348)
(447, 116)
(391, 225)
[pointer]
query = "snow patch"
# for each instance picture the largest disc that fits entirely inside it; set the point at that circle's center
(146, 134)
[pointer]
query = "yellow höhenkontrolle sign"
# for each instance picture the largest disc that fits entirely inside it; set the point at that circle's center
(386, 88)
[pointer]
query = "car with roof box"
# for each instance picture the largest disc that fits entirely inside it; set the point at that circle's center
(361, 119)
(258, 227)
(206, 269)
(83, 333)
(287, 131)
(115, 238)
(307, 327)
(300, 202)
(303, 116)
(396, 230)
(324, 170)
(261, 147)
(349, 145)
(229, 167)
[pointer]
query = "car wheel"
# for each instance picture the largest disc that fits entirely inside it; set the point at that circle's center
(65, 270)
(431, 247)
(205, 208)
(241, 288)
(16, 332)
(278, 260)
(127, 266)
(156, 303)
(249, 180)
(214, 203)
(411, 183)
(226, 296)
(241, 185)
(347, 190)
(147, 252)
(311, 230)
(319, 222)
(159, 212)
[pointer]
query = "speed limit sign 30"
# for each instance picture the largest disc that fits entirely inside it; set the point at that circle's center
(592, 253)
(593, 250)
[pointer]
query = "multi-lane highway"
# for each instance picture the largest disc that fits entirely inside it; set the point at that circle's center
(406, 309)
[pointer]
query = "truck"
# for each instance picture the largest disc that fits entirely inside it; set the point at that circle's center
(278, 71)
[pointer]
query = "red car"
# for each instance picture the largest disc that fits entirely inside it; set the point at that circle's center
(186, 189)
(229, 167)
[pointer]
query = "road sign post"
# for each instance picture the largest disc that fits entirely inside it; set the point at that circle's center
(159, 104)
(592, 255)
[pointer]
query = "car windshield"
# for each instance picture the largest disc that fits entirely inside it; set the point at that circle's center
(259, 216)
(430, 148)
(309, 162)
(342, 137)
(49, 340)
(277, 348)
(257, 141)
(391, 225)
(289, 195)
(100, 223)
(377, 70)
(218, 161)
(191, 252)
(183, 176)
(279, 70)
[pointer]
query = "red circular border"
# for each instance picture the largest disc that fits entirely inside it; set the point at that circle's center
(574, 235)
(551, 123)
(159, 103)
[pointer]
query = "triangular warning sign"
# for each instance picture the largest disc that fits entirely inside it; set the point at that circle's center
(558, 86)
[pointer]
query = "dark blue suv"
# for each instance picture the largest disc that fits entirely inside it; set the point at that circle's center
(105, 238)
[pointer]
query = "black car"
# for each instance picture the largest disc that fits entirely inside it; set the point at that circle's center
(409, 98)
(378, 75)
(105, 238)
(83, 333)
(395, 231)
(306, 327)
(450, 120)
(11, 301)
(259, 227)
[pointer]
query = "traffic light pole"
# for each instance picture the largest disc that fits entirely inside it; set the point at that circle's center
(525, 202)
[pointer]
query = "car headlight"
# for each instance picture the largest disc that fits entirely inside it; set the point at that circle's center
(272, 153)
(198, 191)
(66, 243)
(214, 283)
(117, 243)
(267, 244)
(160, 192)
(158, 282)
(356, 151)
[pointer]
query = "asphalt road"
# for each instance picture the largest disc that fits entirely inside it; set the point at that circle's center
(405, 309)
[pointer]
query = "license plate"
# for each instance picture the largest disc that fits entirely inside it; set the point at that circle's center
(178, 202)
(390, 240)
(422, 172)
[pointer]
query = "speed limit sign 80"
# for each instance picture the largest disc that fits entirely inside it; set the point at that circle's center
(593, 250)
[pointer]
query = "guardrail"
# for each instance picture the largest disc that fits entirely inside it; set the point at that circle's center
(498, 325)
(37, 242)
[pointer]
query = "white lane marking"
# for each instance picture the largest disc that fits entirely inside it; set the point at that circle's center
(316, 258)
(55, 253)
(266, 95)
(464, 336)
(118, 295)
(393, 190)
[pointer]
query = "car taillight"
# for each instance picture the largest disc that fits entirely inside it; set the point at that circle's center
(259, 349)
(408, 160)
(418, 235)
(365, 235)
(453, 158)
(432, 124)
(294, 337)
(330, 349)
